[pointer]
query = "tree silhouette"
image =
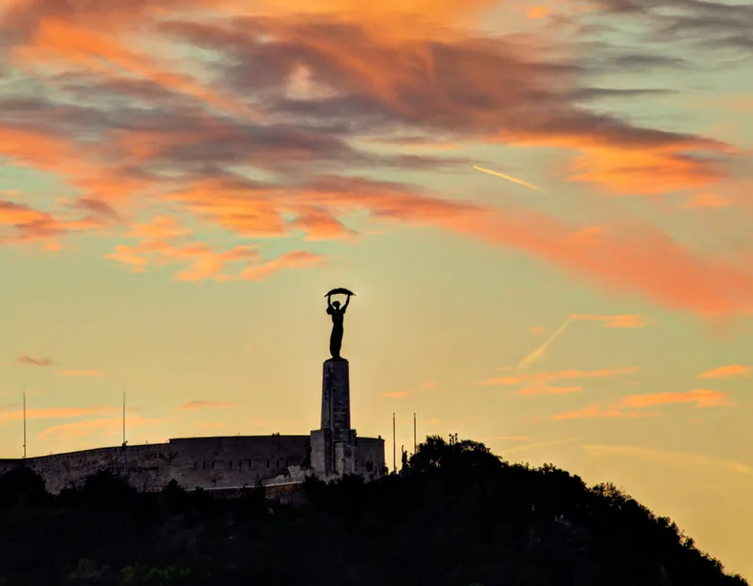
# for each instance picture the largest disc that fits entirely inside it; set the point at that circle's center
(457, 515)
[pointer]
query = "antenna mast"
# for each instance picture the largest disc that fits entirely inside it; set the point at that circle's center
(394, 460)
(125, 457)
(24, 401)
(414, 433)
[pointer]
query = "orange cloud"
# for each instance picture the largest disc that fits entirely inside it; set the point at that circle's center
(320, 225)
(127, 255)
(164, 241)
(548, 390)
(651, 263)
(537, 330)
(80, 373)
(201, 404)
(297, 259)
(706, 200)
(593, 411)
(503, 380)
(646, 172)
(91, 427)
(537, 12)
(403, 394)
(397, 394)
(730, 371)
(615, 321)
(56, 40)
(701, 397)
(542, 378)
(182, 135)
(56, 413)
(20, 223)
(160, 228)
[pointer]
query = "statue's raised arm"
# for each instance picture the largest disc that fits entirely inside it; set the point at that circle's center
(337, 313)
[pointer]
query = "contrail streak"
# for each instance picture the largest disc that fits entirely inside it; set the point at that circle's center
(538, 354)
(509, 178)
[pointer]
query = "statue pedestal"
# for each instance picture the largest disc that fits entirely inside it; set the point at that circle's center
(333, 446)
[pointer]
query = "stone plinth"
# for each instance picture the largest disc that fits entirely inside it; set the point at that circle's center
(321, 450)
(336, 399)
(333, 446)
(344, 460)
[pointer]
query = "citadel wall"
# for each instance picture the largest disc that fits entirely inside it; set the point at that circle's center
(236, 460)
(148, 466)
(204, 462)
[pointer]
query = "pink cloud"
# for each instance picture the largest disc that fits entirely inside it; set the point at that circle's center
(165, 241)
(56, 413)
(542, 378)
(80, 373)
(730, 371)
(622, 409)
(403, 394)
(182, 138)
(92, 427)
(647, 262)
(615, 321)
(545, 390)
(707, 200)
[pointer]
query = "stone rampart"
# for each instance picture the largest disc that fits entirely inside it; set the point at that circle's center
(147, 466)
(203, 462)
(236, 460)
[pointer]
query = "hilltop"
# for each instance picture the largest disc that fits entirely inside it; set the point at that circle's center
(456, 515)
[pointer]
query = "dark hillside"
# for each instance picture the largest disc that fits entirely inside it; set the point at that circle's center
(456, 515)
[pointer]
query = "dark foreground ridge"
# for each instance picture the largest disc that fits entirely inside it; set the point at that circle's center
(455, 515)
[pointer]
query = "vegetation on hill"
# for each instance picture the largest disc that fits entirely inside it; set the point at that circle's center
(456, 515)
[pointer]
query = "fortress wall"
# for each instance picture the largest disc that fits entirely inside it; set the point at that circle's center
(236, 460)
(210, 462)
(369, 456)
(148, 466)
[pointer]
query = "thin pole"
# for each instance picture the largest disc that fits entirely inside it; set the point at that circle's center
(125, 457)
(24, 400)
(414, 433)
(394, 460)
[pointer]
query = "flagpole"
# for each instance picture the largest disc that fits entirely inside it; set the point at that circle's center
(24, 401)
(414, 433)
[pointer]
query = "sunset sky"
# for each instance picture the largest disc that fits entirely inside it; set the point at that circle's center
(181, 181)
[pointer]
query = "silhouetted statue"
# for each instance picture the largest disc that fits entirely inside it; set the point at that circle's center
(338, 315)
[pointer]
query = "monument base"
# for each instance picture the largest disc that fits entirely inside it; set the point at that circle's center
(345, 462)
(332, 457)
(321, 451)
